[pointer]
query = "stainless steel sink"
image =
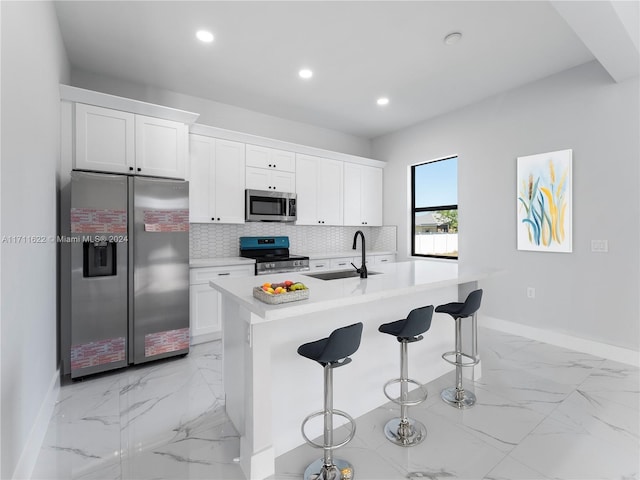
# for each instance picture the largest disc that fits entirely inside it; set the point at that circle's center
(337, 274)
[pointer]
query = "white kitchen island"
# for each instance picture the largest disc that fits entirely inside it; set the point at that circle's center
(270, 388)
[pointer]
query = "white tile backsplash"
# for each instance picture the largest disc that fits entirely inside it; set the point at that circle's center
(215, 240)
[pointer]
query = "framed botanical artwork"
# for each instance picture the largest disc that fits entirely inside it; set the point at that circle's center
(544, 212)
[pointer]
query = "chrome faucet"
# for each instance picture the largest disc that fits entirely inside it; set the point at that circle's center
(363, 269)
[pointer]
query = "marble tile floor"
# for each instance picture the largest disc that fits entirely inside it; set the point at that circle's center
(543, 413)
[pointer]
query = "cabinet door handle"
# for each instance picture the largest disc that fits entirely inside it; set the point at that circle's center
(269, 164)
(139, 169)
(130, 169)
(225, 273)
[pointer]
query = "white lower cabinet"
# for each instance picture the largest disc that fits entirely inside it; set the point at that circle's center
(318, 265)
(344, 263)
(204, 302)
(380, 259)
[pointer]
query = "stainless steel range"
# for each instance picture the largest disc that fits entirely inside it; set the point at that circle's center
(272, 255)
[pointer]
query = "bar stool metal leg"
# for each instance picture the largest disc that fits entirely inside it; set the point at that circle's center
(404, 431)
(328, 468)
(331, 352)
(457, 396)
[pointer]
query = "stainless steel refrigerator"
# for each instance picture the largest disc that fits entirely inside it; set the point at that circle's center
(129, 270)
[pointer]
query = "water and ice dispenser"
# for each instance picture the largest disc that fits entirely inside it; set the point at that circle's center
(99, 259)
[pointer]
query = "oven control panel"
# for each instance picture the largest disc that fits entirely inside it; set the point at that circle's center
(282, 266)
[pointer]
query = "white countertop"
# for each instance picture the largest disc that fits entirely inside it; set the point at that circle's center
(395, 279)
(346, 253)
(220, 262)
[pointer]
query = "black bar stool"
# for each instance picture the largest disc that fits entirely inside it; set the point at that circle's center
(405, 431)
(331, 352)
(457, 396)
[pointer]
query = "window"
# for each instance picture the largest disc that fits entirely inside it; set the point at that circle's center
(434, 208)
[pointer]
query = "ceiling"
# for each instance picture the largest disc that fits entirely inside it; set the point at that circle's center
(358, 52)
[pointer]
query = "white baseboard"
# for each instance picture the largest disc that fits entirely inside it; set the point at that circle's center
(604, 350)
(204, 338)
(32, 448)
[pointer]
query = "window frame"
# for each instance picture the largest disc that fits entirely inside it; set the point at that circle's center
(415, 210)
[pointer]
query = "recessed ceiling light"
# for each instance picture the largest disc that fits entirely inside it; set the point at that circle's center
(452, 38)
(305, 73)
(204, 36)
(382, 101)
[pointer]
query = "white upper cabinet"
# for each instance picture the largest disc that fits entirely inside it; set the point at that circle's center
(319, 190)
(229, 182)
(120, 142)
(307, 190)
(216, 186)
(265, 179)
(371, 204)
(283, 181)
(104, 139)
(161, 147)
(201, 177)
(258, 179)
(270, 158)
(270, 169)
(362, 195)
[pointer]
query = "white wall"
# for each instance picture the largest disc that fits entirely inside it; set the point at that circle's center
(588, 295)
(0, 248)
(226, 116)
(33, 64)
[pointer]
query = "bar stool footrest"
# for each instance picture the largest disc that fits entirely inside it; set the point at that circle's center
(474, 361)
(340, 413)
(405, 403)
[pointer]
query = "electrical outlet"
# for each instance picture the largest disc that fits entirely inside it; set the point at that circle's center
(531, 292)
(600, 246)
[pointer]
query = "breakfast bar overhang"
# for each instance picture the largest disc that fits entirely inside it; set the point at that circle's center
(270, 388)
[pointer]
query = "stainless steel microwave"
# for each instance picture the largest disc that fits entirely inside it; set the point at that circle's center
(270, 206)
